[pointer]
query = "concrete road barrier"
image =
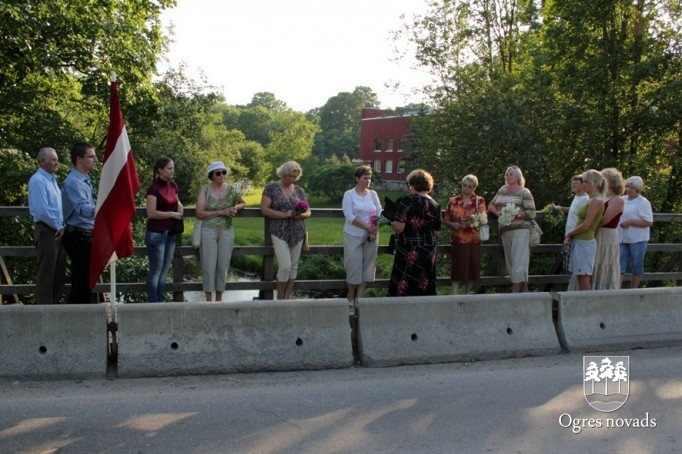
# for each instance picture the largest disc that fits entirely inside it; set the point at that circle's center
(414, 330)
(55, 342)
(620, 319)
(208, 338)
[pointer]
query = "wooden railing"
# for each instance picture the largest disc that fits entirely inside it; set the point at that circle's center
(492, 276)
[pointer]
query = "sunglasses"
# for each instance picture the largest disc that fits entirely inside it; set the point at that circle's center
(220, 172)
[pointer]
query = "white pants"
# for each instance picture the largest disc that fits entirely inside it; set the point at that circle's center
(516, 244)
(287, 258)
(215, 254)
(359, 258)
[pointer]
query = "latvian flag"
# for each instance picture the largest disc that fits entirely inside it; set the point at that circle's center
(112, 237)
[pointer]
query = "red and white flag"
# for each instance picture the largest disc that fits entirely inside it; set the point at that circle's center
(112, 237)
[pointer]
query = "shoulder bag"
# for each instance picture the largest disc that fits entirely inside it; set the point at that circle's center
(535, 233)
(483, 230)
(196, 233)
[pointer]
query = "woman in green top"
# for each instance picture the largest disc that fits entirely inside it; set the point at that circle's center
(581, 238)
(217, 204)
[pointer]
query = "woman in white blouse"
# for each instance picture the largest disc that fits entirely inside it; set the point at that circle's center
(361, 208)
(633, 230)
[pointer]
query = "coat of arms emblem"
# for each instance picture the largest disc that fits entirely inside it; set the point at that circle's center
(606, 381)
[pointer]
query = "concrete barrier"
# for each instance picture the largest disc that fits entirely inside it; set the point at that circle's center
(55, 342)
(409, 330)
(208, 338)
(620, 319)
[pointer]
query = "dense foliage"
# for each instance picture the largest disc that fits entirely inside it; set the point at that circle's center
(556, 87)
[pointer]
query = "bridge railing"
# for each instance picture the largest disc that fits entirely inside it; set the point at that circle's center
(491, 277)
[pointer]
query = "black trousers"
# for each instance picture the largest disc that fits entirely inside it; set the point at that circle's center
(51, 271)
(78, 245)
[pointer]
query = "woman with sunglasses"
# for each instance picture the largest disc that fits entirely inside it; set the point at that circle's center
(217, 203)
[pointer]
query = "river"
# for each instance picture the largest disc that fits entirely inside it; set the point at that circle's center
(228, 296)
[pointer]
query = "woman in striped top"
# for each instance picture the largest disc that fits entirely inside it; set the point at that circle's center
(515, 235)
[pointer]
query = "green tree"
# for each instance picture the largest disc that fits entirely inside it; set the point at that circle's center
(331, 181)
(55, 61)
(556, 87)
(339, 121)
(292, 140)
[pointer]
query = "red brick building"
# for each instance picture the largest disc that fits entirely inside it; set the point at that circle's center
(383, 142)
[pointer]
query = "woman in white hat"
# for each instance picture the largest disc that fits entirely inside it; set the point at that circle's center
(217, 203)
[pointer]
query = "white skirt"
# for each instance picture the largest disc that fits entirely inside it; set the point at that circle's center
(606, 274)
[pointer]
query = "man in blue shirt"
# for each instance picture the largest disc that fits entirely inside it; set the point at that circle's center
(79, 217)
(45, 206)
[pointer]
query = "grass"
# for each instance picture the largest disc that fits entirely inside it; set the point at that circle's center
(321, 231)
(327, 231)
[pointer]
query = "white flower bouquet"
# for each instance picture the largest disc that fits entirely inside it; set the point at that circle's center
(239, 189)
(508, 214)
(476, 220)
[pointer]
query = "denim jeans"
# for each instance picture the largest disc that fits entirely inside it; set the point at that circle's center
(634, 254)
(160, 249)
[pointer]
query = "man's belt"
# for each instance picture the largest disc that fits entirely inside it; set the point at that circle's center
(72, 229)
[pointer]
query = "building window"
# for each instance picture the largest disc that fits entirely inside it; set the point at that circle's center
(389, 145)
(389, 167)
(401, 166)
(401, 144)
(377, 166)
(377, 145)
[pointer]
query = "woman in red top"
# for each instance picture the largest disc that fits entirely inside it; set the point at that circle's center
(465, 214)
(163, 207)
(606, 274)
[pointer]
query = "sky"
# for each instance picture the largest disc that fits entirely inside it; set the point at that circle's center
(302, 51)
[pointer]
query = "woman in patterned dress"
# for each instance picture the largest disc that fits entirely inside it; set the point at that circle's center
(417, 225)
(286, 226)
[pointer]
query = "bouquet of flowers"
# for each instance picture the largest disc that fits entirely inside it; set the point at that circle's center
(239, 189)
(476, 220)
(553, 215)
(508, 214)
(299, 206)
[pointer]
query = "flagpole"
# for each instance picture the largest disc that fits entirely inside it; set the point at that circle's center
(112, 265)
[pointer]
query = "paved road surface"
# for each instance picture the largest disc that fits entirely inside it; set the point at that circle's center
(509, 406)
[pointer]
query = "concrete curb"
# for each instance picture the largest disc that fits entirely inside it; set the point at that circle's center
(622, 319)
(213, 338)
(65, 341)
(412, 330)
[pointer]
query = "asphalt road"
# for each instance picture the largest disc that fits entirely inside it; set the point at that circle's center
(527, 405)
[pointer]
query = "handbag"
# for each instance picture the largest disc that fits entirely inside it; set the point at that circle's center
(535, 233)
(178, 226)
(484, 230)
(306, 246)
(566, 256)
(196, 233)
(391, 244)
